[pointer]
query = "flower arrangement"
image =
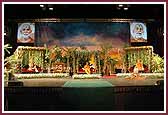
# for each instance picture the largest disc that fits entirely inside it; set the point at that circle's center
(86, 76)
(41, 75)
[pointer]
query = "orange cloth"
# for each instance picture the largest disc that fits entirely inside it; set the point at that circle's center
(87, 69)
(139, 65)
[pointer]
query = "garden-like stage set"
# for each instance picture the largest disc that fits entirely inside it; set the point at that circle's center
(79, 63)
(59, 73)
(57, 59)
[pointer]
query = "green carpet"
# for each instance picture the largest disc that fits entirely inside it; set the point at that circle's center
(83, 83)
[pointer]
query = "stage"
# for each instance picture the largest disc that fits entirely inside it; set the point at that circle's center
(59, 82)
(85, 80)
(84, 62)
(106, 93)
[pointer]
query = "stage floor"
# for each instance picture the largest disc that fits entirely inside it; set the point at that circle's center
(68, 94)
(60, 82)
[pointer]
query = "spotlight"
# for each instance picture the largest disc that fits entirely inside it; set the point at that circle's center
(41, 6)
(50, 8)
(126, 8)
(120, 5)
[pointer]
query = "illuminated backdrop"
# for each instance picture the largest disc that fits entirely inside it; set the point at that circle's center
(88, 34)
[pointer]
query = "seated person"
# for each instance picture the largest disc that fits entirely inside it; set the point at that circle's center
(33, 68)
(87, 68)
(138, 67)
(92, 68)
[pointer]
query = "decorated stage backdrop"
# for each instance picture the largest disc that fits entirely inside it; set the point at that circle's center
(89, 34)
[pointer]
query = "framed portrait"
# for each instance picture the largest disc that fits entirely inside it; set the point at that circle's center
(138, 32)
(26, 33)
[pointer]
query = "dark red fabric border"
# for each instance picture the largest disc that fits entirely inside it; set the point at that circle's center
(84, 0)
(78, 1)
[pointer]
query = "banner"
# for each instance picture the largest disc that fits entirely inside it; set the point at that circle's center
(138, 32)
(26, 33)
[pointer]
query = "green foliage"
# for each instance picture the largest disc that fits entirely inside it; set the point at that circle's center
(25, 59)
(10, 60)
(64, 59)
(6, 48)
(12, 64)
(157, 64)
(47, 55)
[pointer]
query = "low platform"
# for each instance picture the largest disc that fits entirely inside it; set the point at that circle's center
(86, 76)
(59, 82)
(148, 75)
(59, 79)
(41, 75)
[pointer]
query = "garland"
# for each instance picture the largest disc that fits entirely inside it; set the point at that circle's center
(41, 75)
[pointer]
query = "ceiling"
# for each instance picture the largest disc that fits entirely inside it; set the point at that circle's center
(34, 11)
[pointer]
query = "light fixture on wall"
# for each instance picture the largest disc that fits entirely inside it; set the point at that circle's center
(120, 5)
(41, 5)
(51, 8)
(123, 7)
(47, 7)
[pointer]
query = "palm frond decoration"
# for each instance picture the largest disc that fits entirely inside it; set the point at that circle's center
(7, 47)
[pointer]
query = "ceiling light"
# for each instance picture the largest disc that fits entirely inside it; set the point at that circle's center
(51, 8)
(41, 6)
(120, 5)
(126, 8)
